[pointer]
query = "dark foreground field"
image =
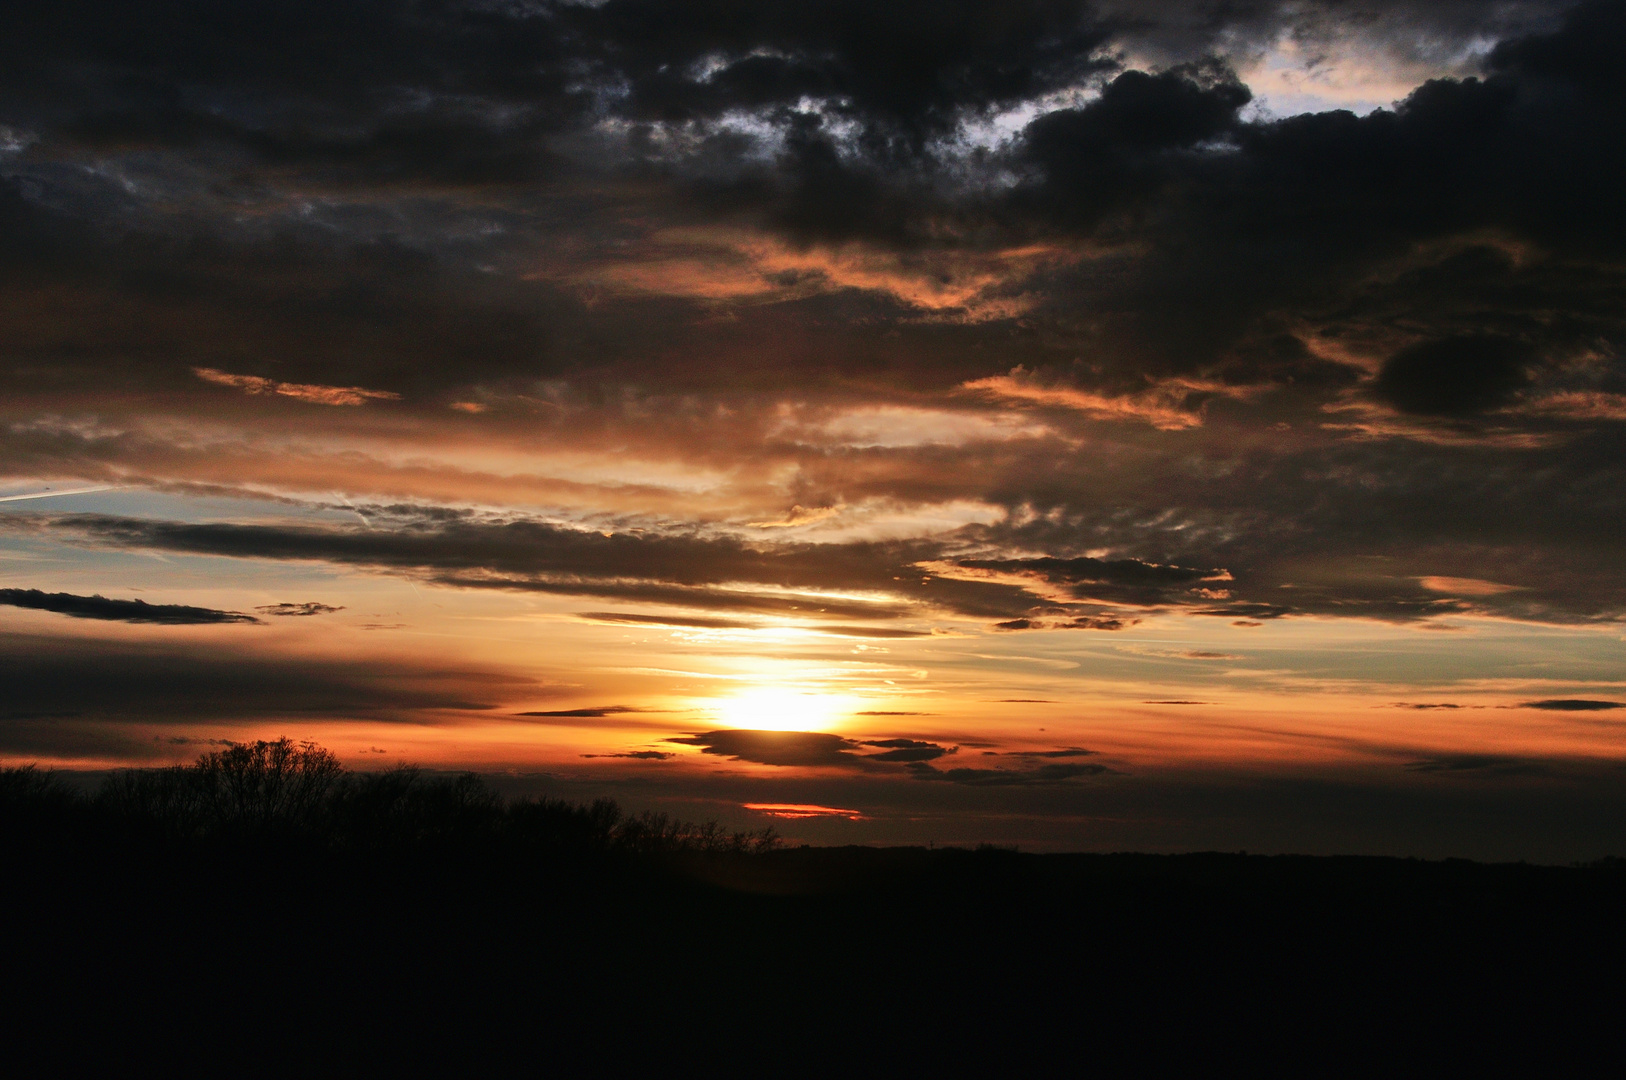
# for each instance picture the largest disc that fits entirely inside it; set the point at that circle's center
(422, 924)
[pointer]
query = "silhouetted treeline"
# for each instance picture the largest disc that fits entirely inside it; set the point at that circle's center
(264, 912)
(298, 792)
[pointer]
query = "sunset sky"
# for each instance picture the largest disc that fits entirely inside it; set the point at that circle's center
(1145, 424)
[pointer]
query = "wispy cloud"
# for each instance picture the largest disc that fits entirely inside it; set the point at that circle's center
(314, 393)
(131, 611)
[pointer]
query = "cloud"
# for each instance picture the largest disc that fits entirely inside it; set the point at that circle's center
(693, 622)
(317, 395)
(1477, 764)
(76, 685)
(784, 748)
(1124, 581)
(1429, 705)
(710, 623)
(641, 755)
(802, 811)
(905, 750)
(1573, 705)
(309, 607)
(591, 711)
(131, 611)
(810, 748)
(534, 256)
(680, 569)
(1454, 376)
(1171, 405)
(1034, 776)
(1249, 611)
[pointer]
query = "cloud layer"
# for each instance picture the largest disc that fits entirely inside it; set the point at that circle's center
(768, 346)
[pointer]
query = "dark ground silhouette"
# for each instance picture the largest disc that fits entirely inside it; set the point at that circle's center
(266, 911)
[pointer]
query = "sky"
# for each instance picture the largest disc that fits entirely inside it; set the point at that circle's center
(1138, 425)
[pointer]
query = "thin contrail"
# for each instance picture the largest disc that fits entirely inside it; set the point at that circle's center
(54, 494)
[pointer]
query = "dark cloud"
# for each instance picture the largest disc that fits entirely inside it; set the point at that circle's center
(880, 632)
(1098, 624)
(592, 711)
(640, 755)
(1302, 552)
(1574, 705)
(537, 556)
(785, 748)
(309, 607)
(1431, 705)
(168, 202)
(1121, 581)
(1084, 623)
(833, 119)
(87, 681)
(811, 748)
(1254, 366)
(906, 750)
(132, 611)
(1475, 764)
(1455, 376)
(697, 622)
(912, 66)
(1113, 154)
(1034, 776)
(1250, 611)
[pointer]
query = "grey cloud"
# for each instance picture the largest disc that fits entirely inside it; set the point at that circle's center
(1475, 764)
(1034, 776)
(1454, 376)
(811, 748)
(132, 611)
(91, 681)
(673, 569)
(309, 607)
(785, 748)
(707, 623)
(1247, 611)
(1123, 581)
(906, 750)
(1439, 239)
(1432, 705)
(1574, 705)
(695, 622)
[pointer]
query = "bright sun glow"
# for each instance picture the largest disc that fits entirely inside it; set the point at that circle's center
(774, 708)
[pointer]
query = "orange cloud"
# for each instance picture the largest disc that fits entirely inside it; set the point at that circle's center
(312, 392)
(1462, 586)
(1169, 404)
(727, 265)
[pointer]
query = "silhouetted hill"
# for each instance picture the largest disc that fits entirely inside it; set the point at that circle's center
(391, 920)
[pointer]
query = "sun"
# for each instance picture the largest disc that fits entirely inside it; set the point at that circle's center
(776, 708)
